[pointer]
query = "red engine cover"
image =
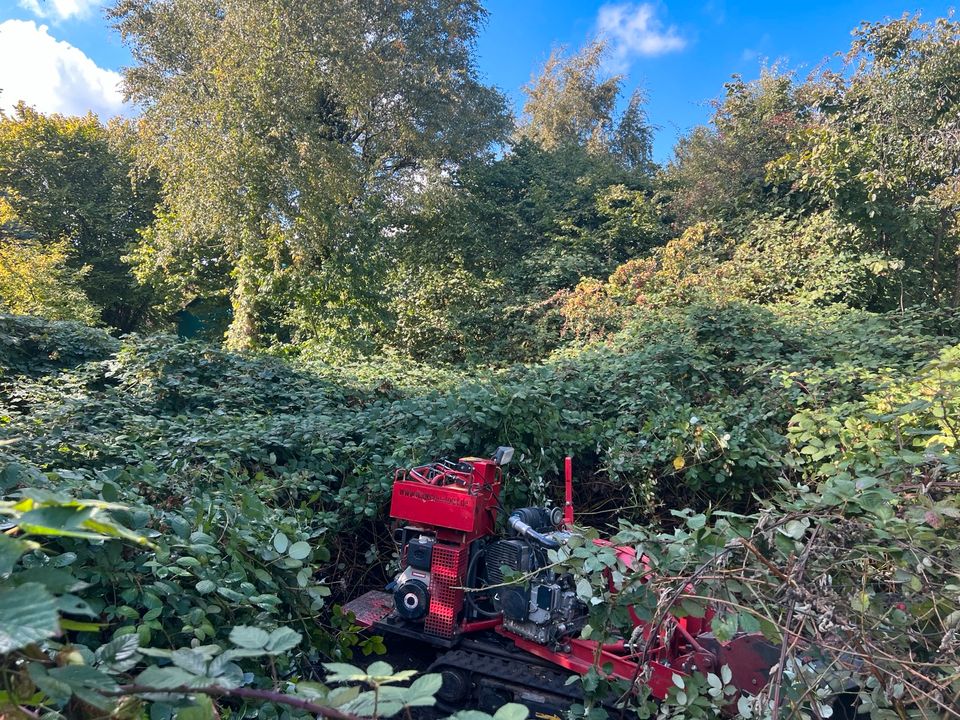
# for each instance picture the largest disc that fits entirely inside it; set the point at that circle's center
(453, 500)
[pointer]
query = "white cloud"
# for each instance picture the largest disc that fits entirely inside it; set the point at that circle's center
(61, 9)
(52, 75)
(635, 30)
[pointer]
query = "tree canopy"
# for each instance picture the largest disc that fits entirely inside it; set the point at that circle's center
(283, 131)
(573, 102)
(67, 184)
(752, 350)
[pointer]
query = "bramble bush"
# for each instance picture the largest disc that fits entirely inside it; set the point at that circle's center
(815, 261)
(852, 566)
(261, 482)
(70, 645)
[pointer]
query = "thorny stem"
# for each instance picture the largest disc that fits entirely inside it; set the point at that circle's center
(794, 578)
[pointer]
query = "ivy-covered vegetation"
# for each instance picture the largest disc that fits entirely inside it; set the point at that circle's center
(262, 483)
(752, 351)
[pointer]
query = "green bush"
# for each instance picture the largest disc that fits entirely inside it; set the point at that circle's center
(852, 567)
(687, 405)
(263, 482)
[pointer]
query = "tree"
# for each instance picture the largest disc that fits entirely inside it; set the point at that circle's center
(719, 172)
(570, 103)
(283, 132)
(35, 278)
(66, 181)
(514, 232)
(481, 254)
(883, 148)
(632, 140)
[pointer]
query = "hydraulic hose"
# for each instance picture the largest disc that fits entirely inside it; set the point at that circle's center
(471, 583)
(516, 521)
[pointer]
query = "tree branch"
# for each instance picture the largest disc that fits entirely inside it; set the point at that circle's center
(252, 693)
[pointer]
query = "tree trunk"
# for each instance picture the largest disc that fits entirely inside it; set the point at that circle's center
(242, 334)
(956, 278)
(937, 243)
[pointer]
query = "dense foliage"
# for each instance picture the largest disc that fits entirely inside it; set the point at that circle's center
(70, 210)
(262, 484)
(752, 352)
(319, 120)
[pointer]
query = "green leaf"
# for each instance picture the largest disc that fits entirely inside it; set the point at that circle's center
(314, 691)
(339, 696)
(512, 711)
(470, 715)
(165, 678)
(74, 605)
(204, 587)
(231, 595)
(201, 709)
(724, 626)
(227, 673)
(692, 607)
(118, 650)
(748, 622)
(57, 690)
(64, 559)
(795, 529)
(303, 577)
(87, 683)
(281, 640)
(387, 703)
(280, 543)
(54, 520)
(343, 672)
(299, 550)
(190, 660)
(67, 624)
(584, 589)
(770, 631)
(425, 686)
(54, 579)
(380, 669)
(252, 638)
(10, 551)
(28, 613)
(110, 492)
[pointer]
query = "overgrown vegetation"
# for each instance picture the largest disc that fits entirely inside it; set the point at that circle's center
(263, 484)
(751, 351)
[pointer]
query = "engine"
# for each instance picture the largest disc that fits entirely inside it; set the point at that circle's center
(464, 575)
(543, 606)
(411, 588)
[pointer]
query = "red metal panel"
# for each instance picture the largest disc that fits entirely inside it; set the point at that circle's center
(443, 497)
(584, 654)
(370, 607)
(447, 507)
(447, 571)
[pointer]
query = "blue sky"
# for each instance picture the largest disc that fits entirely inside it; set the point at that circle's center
(60, 55)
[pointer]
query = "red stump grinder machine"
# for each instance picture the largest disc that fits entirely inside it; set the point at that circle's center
(519, 641)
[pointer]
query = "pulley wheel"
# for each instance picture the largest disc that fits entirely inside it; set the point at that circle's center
(455, 686)
(412, 600)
